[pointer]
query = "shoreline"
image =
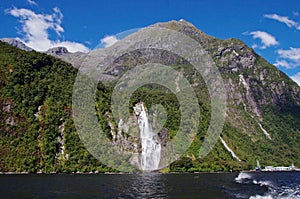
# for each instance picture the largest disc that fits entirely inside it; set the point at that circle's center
(114, 173)
(109, 173)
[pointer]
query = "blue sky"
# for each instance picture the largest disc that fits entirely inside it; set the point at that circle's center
(271, 27)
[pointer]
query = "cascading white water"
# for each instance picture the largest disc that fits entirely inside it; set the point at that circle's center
(228, 149)
(151, 147)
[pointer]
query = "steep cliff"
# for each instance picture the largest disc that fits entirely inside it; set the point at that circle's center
(38, 132)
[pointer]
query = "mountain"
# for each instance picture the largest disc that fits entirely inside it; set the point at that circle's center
(63, 53)
(38, 131)
(16, 43)
(59, 52)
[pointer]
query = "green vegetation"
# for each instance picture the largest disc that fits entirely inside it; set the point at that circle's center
(35, 100)
(36, 116)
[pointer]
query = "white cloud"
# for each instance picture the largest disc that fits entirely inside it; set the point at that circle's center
(57, 15)
(283, 19)
(292, 53)
(283, 63)
(36, 26)
(296, 78)
(267, 40)
(288, 58)
(31, 2)
(109, 41)
(254, 46)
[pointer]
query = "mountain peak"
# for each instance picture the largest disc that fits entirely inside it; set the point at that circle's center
(16, 43)
(62, 52)
(263, 106)
(58, 51)
(187, 28)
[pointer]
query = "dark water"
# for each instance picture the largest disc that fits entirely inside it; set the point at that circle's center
(217, 185)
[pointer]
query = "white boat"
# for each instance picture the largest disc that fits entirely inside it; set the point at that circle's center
(280, 168)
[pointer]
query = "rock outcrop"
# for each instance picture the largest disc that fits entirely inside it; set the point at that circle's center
(262, 118)
(58, 51)
(16, 43)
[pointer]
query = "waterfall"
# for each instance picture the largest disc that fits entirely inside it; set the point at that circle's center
(228, 149)
(151, 147)
(246, 86)
(264, 131)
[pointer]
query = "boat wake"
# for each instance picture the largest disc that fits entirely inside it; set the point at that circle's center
(243, 178)
(287, 188)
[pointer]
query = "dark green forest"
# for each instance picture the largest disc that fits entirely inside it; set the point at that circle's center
(37, 133)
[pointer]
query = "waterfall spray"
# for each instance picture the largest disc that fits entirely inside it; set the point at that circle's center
(151, 147)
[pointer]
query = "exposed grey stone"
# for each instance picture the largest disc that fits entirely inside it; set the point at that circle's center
(16, 43)
(58, 51)
(11, 121)
(6, 108)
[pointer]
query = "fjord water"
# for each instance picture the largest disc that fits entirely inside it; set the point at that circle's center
(152, 185)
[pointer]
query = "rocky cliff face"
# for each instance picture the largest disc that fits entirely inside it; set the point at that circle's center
(16, 43)
(62, 53)
(263, 107)
(263, 103)
(58, 51)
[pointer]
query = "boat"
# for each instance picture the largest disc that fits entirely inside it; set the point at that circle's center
(257, 168)
(278, 168)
